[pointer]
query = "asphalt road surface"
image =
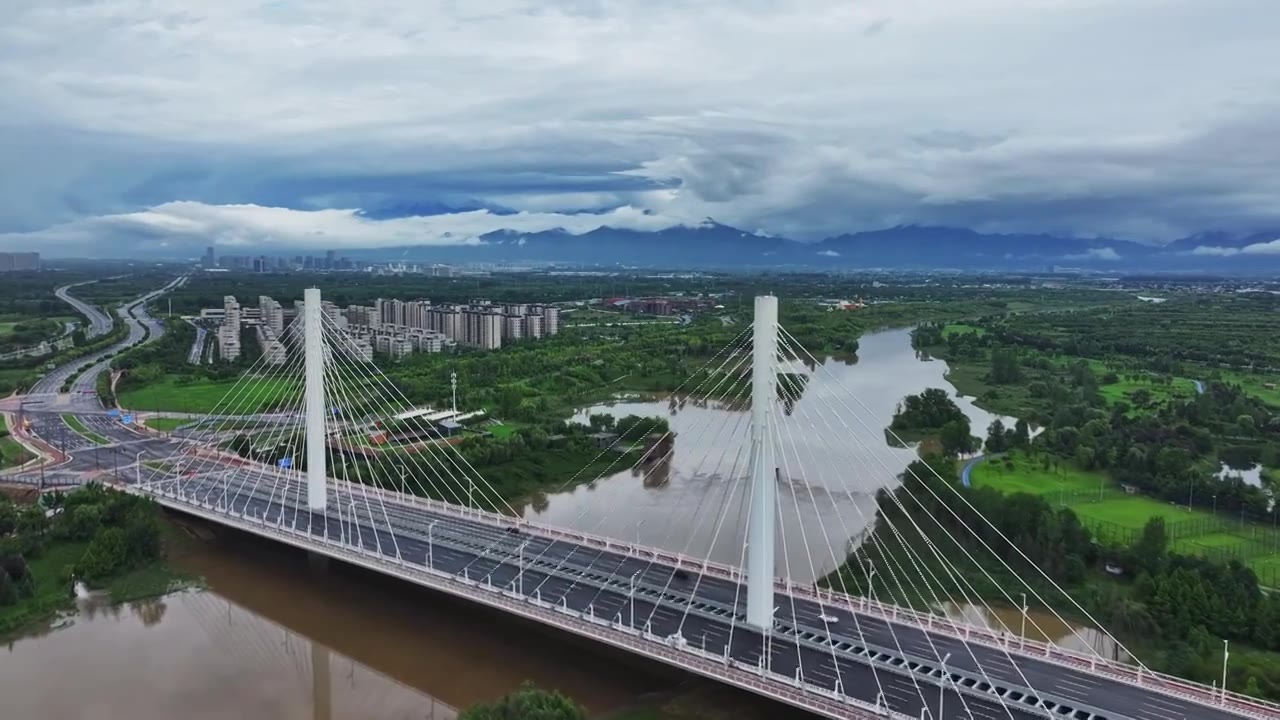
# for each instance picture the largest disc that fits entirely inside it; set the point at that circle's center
(99, 322)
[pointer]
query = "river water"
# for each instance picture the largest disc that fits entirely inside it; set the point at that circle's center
(832, 456)
(269, 638)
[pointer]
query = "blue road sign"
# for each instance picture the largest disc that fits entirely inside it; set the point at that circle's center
(285, 462)
(336, 410)
(113, 412)
(126, 419)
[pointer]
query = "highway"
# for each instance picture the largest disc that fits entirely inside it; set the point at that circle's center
(83, 390)
(707, 610)
(99, 322)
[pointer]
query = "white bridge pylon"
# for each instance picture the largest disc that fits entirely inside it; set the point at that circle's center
(313, 349)
(762, 522)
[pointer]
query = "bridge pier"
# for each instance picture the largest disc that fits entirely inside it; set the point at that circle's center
(764, 489)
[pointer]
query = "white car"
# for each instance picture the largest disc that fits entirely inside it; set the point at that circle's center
(831, 619)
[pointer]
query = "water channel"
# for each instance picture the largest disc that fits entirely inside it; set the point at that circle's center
(270, 638)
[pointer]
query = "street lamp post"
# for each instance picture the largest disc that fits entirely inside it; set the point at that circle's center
(1023, 632)
(404, 486)
(632, 601)
(520, 575)
(137, 460)
(1225, 654)
(430, 559)
(871, 576)
(942, 685)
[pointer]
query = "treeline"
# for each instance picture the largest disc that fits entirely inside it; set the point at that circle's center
(1173, 605)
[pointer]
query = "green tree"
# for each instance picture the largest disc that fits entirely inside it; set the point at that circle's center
(1152, 547)
(1005, 368)
(1021, 434)
(106, 554)
(997, 437)
(956, 438)
(527, 703)
(8, 590)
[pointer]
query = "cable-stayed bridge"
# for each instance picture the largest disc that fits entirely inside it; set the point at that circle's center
(311, 479)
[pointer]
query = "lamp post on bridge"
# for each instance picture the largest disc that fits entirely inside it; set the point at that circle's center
(871, 584)
(942, 685)
(430, 555)
(1022, 634)
(1225, 654)
(520, 573)
(404, 486)
(632, 602)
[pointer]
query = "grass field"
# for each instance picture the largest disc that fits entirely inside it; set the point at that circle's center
(166, 424)
(1160, 392)
(1118, 517)
(202, 396)
(961, 328)
(1017, 472)
(502, 431)
(74, 423)
(12, 453)
(1256, 385)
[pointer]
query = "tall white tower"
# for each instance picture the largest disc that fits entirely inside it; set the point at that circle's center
(313, 339)
(764, 489)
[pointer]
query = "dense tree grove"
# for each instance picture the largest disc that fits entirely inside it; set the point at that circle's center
(1178, 605)
(121, 532)
(527, 703)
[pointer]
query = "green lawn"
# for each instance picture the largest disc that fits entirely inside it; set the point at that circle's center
(12, 453)
(1017, 472)
(1160, 392)
(6, 327)
(1256, 384)
(75, 424)
(166, 424)
(1114, 516)
(960, 328)
(502, 431)
(202, 396)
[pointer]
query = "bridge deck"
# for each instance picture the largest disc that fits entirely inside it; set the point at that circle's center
(707, 610)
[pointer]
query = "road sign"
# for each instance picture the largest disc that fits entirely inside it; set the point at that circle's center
(126, 419)
(285, 462)
(113, 413)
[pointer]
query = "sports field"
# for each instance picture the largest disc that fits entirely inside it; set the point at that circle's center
(1115, 516)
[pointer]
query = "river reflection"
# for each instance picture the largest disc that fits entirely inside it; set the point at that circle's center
(1039, 625)
(268, 639)
(695, 503)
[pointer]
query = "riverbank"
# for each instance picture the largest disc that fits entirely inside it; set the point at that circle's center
(49, 558)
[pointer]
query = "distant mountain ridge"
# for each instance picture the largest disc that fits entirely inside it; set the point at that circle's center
(715, 245)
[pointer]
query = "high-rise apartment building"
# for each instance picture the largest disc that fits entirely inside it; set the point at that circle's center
(210, 259)
(19, 261)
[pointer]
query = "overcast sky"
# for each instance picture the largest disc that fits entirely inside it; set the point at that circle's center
(376, 122)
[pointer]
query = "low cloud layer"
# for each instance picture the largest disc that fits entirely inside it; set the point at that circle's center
(1263, 248)
(273, 122)
(186, 227)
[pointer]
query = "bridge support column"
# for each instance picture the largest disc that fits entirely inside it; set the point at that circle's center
(313, 348)
(764, 489)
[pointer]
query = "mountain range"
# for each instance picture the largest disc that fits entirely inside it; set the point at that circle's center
(714, 245)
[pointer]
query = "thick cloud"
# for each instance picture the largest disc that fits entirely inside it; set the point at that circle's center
(1147, 119)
